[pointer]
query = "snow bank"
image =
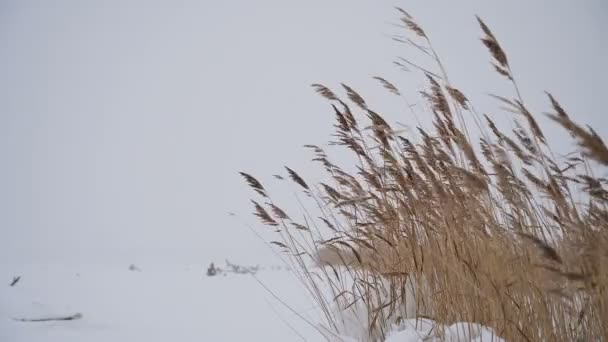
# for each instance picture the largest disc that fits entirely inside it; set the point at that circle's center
(413, 330)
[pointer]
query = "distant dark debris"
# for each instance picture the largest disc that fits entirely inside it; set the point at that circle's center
(15, 280)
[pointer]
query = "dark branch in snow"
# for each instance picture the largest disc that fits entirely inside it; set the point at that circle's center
(48, 319)
(15, 280)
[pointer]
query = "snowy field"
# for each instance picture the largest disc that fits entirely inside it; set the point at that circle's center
(168, 303)
(173, 303)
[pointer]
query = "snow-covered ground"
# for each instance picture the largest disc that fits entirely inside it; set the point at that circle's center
(164, 303)
(174, 303)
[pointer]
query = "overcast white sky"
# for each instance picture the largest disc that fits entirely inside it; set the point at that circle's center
(123, 123)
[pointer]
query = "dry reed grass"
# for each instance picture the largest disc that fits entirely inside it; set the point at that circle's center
(498, 232)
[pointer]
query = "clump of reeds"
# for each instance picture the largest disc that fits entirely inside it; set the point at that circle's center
(496, 231)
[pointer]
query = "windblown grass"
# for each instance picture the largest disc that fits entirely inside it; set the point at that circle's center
(498, 231)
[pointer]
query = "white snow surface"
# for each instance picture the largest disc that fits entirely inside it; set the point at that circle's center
(428, 331)
(162, 303)
(178, 303)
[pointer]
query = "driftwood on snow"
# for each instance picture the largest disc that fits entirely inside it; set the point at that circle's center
(51, 318)
(15, 280)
